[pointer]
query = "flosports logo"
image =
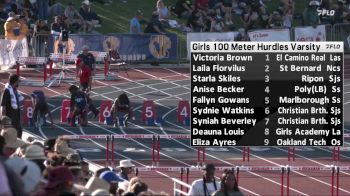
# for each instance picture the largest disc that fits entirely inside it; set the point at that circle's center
(324, 12)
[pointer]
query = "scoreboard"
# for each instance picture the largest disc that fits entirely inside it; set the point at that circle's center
(267, 93)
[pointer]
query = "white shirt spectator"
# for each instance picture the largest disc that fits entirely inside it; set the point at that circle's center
(197, 188)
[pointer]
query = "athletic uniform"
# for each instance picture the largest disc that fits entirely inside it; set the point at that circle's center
(39, 104)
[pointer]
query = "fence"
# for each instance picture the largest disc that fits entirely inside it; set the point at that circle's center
(39, 43)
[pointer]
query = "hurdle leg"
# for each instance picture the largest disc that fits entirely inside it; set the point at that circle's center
(112, 151)
(181, 178)
(153, 159)
(158, 150)
(107, 151)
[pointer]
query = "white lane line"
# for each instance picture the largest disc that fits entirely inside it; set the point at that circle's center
(159, 78)
(272, 162)
(223, 161)
(185, 75)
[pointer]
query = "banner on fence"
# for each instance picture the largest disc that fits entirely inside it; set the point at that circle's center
(192, 37)
(130, 47)
(310, 33)
(269, 35)
(10, 50)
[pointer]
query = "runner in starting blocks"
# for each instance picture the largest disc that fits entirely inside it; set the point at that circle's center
(41, 108)
(80, 103)
(122, 105)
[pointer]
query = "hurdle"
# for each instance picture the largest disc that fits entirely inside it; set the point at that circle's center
(111, 140)
(64, 75)
(107, 74)
(283, 170)
(28, 81)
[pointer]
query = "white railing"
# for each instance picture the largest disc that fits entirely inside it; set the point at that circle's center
(178, 186)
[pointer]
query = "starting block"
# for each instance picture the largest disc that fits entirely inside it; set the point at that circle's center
(105, 112)
(76, 121)
(183, 111)
(150, 122)
(108, 121)
(65, 111)
(27, 114)
(148, 111)
(153, 122)
(121, 121)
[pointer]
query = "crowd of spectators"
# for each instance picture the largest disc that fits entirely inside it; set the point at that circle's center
(33, 16)
(53, 168)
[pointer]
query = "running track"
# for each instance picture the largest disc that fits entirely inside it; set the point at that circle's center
(166, 87)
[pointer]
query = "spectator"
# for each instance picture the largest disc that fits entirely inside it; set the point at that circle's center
(40, 27)
(275, 20)
(99, 171)
(154, 26)
(73, 19)
(80, 102)
(287, 17)
(41, 108)
(62, 146)
(5, 187)
(2, 143)
(90, 18)
(24, 30)
(207, 185)
(10, 136)
(162, 11)
(122, 104)
(202, 4)
(12, 27)
(126, 169)
(57, 27)
(49, 145)
(227, 5)
(55, 9)
(133, 181)
(43, 6)
(36, 154)
(135, 26)
(88, 58)
(229, 185)
(94, 184)
(85, 172)
(241, 36)
(339, 12)
(139, 187)
(310, 15)
(28, 172)
(59, 182)
(72, 159)
(113, 181)
(217, 24)
(184, 8)
(196, 22)
(10, 103)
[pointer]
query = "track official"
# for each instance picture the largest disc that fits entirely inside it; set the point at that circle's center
(10, 103)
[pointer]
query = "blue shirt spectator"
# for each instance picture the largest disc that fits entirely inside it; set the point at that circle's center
(135, 26)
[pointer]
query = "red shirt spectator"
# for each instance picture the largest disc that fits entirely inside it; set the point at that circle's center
(202, 4)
